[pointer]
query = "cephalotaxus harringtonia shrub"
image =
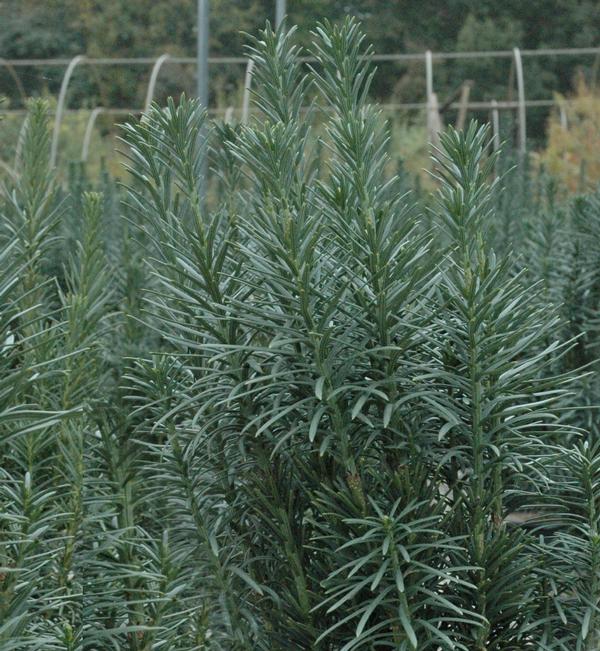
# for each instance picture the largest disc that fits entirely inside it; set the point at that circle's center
(347, 433)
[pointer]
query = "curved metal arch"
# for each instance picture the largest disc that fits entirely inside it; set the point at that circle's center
(60, 107)
(89, 130)
(429, 73)
(429, 93)
(495, 125)
(564, 120)
(247, 91)
(13, 73)
(20, 138)
(158, 64)
(521, 110)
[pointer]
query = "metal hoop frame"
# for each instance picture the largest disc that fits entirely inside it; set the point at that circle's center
(521, 111)
(247, 91)
(89, 130)
(60, 107)
(162, 59)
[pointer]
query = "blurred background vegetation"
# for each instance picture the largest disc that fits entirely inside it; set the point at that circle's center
(148, 28)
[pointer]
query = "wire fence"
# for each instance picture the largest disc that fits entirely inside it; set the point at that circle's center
(517, 100)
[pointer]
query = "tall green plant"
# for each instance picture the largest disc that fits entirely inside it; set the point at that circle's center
(364, 411)
(299, 413)
(32, 365)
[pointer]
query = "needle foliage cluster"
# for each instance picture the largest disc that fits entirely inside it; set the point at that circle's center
(310, 413)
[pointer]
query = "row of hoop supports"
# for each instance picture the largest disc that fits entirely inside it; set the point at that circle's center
(62, 101)
(516, 79)
(516, 70)
(164, 58)
(156, 68)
